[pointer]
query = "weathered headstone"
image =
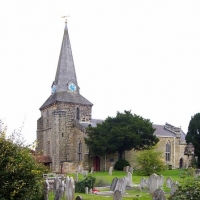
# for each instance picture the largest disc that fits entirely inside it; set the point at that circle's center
(153, 183)
(76, 178)
(131, 170)
(79, 198)
(60, 190)
(159, 194)
(174, 187)
(143, 183)
(117, 195)
(129, 180)
(92, 170)
(110, 170)
(67, 180)
(160, 181)
(169, 182)
(46, 190)
(113, 184)
(71, 189)
(86, 190)
(127, 169)
(56, 184)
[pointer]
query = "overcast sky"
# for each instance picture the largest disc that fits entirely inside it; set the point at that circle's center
(136, 55)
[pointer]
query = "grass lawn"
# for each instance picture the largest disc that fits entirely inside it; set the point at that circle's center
(130, 194)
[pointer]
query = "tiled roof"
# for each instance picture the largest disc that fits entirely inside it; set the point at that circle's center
(68, 97)
(44, 159)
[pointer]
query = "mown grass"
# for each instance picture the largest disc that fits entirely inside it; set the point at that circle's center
(133, 194)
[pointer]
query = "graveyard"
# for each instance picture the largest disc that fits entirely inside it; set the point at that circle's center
(134, 188)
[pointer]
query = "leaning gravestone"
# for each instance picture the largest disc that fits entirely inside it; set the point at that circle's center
(153, 183)
(113, 184)
(79, 198)
(92, 170)
(56, 184)
(71, 189)
(60, 190)
(159, 194)
(67, 187)
(117, 195)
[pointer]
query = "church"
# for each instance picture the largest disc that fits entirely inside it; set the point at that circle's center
(66, 114)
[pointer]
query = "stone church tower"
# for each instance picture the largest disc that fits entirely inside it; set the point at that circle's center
(64, 116)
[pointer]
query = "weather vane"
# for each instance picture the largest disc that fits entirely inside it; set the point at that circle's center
(65, 17)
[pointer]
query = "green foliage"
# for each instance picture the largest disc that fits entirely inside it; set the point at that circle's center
(87, 182)
(21, 174)
(189, 190)
(150, 161)
(193, 134)
(100, 182)
(123, 132)
(120, 164)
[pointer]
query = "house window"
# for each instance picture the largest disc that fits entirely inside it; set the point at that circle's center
(168, 152)
(77, 114)
(79, 151)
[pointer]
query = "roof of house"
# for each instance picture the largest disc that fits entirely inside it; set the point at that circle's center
(44, 159)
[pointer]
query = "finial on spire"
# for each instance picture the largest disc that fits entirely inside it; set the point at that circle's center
(65, 18)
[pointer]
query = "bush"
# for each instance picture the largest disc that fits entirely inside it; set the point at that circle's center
(149, 162)
(120, 164)
(21, 174)
(189, 190)
(87, 182)
(101, 182)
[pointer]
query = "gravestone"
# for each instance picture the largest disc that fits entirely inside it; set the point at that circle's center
(56, 184)
(174, 187)
(85, 173)
(113, 184)
(127, 169)
(121, 185)
(159, 194)
(46, 190)
(110, 170)
(79, 198)
(86, 190)
(60, 190)
(131, 170)
(76, 177)
(153, 183)
(71, 190)
(169, 182)
(129, 180)
(160, 181)
(92, 170)
(143, 183)
(67, 180)
(117, 195)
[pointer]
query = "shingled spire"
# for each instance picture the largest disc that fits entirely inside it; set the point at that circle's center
(65, 70)
(65, 86)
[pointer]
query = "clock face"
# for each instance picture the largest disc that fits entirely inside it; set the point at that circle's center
(72, 87)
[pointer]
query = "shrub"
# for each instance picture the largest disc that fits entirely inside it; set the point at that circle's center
(189, 190)
(101, 182)
(87, 182)
(21, 174)
(149, 162)
(120, 164)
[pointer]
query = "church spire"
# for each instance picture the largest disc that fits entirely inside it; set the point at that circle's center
(65, 74)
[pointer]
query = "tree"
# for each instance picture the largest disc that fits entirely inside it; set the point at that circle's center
(123, 132)
(150, 161)
(193, 134)
(20, 173)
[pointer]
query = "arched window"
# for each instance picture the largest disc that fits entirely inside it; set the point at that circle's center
(77, 114)
(168, 152)
(79, 151)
